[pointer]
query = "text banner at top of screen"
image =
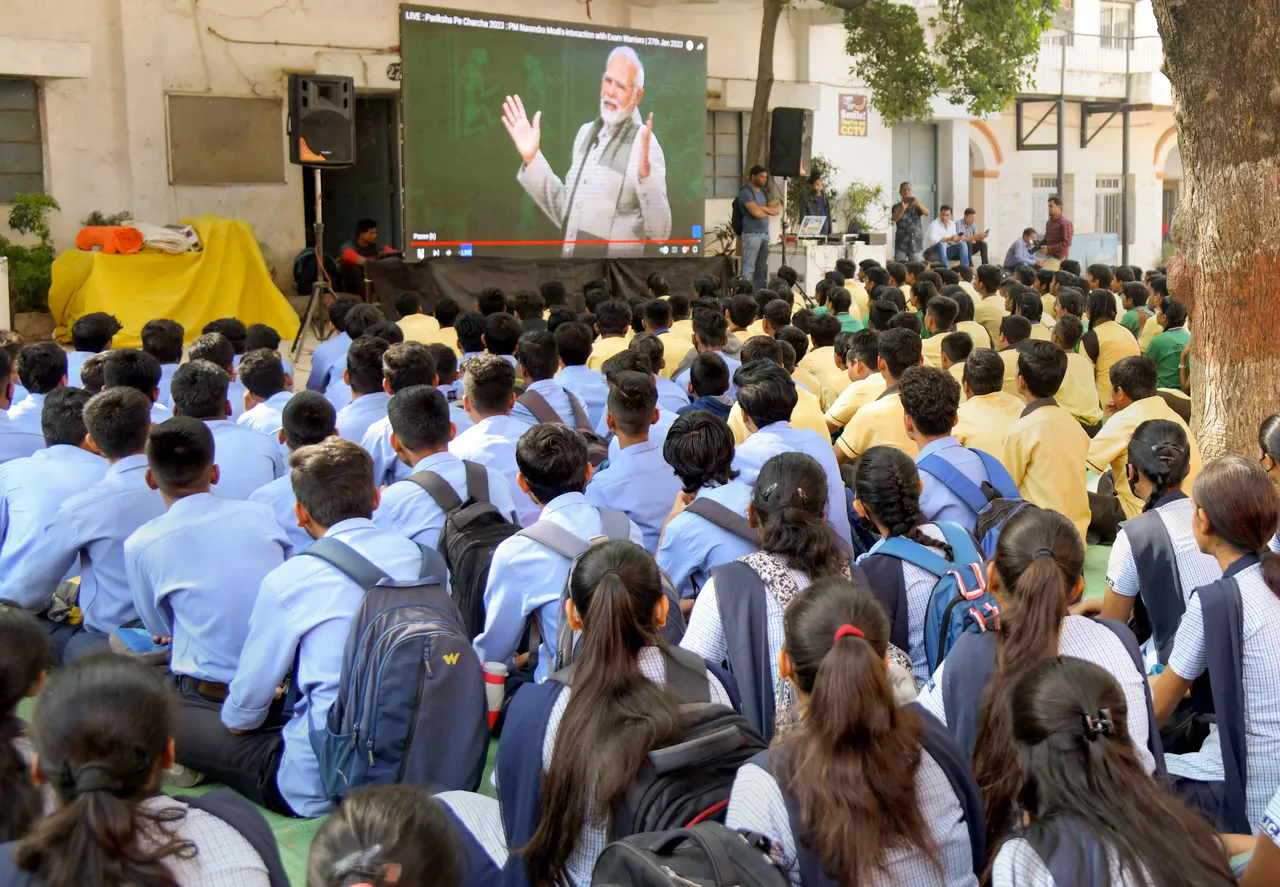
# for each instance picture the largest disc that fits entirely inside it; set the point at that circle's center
(523, 26)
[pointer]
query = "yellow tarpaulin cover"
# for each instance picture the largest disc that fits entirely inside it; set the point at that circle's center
(228, 279)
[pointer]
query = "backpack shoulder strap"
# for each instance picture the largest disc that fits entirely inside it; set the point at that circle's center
(998, 475)
(686, 675)
(537, 404)
(963, 550)
(1159, 583)
(959, 771)
(1130, 642)
(742, 601)
(10, 874)
(884, 578)
(913, 552)
(966, 674)
(1068, 851)
(954, 480)
(1223, 616)
(346, 560)
(519, 769)
(551, 535)
(580, 418)
(242, 816)
(615, 524)
(723, 517)
(439, 489)
(477, 481)
(812, 873)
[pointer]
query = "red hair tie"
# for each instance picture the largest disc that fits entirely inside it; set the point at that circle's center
(845, 630)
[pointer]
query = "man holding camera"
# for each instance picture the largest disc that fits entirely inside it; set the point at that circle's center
(1022, 252)
(908, 238)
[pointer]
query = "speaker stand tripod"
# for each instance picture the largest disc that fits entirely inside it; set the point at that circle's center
(322, 289)
(784, 220)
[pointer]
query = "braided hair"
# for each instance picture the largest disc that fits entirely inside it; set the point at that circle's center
(888, 486)
(1160, 452)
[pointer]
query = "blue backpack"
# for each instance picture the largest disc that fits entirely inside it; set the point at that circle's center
(995, 501)
(960, 601)
(411, 705)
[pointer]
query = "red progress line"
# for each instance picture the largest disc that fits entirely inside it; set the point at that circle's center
(537, 242)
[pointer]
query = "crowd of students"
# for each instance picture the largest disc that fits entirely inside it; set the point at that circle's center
(789, 468)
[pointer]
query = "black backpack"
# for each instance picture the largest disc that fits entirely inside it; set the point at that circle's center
(597, 446)
(739, 216)
(705, 854)
(306, 271)
(472, 531)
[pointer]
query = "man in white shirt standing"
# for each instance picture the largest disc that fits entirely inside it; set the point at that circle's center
(942, 241)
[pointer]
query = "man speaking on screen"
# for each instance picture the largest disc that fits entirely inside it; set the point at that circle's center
(616, 189)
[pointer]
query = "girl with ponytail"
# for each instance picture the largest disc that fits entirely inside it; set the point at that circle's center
(568, 753)
(1086, 812)
(1155, 558)
(25, 651)
(797, 546)
(1237, 511)
(102, 735)
(855, 794)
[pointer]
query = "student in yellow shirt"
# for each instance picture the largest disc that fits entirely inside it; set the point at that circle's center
(880, 423)
(447, 311)
(777, 314)
(416, 326)
(1134, 400)
(799, 343)
(1014, 330)
(762, 297)
(898, 278)
(883, 311)
(1046, 450)
(613, 321)
(1152, 327)
(987, 411)
(1025, 302)
(821, 359)
(657, 320)
(1078, 396)
(741, 313)
(1069, 301)
(1044, 286)
(1106, 343)
(956, 349)
(681, 320)
(861, 298)
(876, 278)
(939, 321)
(966, 275)
(989, 309)
(866, 384)
(964, 319)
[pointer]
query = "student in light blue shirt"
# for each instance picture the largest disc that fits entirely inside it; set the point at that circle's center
(42, 367)
(710, 333)
(259, 336)
(368, 397)
(90, 527)
(91, 334)
(269, 388)
(573, 343)
(247, 459)
(32, 488)
(131, 368)
(767, 396)
(489, 386)
(470, 330)
(699, 449)
(195, 570)
(15, 443)
(638, 480)
(327, 352)
(162, 339)
(632, 361)
(303, 611)
(671, 396)
(420, 436)
(525, 577)
(360, 320)
(449, 382)
(537, 360)
(403, 366)
(218, 350)
(308, 419)
(502, 332)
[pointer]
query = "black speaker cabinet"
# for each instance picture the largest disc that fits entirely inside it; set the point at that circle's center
(322, 116)
(791, 143)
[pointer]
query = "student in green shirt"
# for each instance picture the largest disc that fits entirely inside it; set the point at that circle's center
(1166, 348)
(840, 302)
(820, 293)
(1134, 295)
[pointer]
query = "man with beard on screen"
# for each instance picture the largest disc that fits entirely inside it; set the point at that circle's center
(616, 188)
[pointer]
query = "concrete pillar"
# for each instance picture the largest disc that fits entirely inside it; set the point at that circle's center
(144, 105)
(5, 319)
(953, 165)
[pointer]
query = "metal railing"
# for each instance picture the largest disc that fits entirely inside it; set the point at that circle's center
(1090, 63)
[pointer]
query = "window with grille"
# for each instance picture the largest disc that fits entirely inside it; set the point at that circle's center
(724, 154)
(1108, 204)
(21, 155)
(1042, 188)
(1116, 23)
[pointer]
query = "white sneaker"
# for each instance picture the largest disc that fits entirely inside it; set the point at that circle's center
(179, 776)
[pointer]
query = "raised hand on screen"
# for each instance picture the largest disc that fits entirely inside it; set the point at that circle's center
(646, 136)
(527, 136)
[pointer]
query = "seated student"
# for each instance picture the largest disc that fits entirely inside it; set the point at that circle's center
(573, 345)
(502, 334)
(1167, 346)
(820, 361)
(1037, 571)
(300, 621)
(987, 411)
(560, 314)
(1077, 394)
(492, 300)
(775, 316)
(446, 314)
(1046, 450)
(162, 339)
(956, 349)
(1106, 342)
(1237, 509)
(799, 342)
(636, 480)
(988, 308)
(1133, 299)
(525, 576)
(612, 320)
(247, 459)
(32, 488)
(1069, 300)
(1030, 306)
(404, 366)
(103, 737)
(964, 317)
(681, 317)
(1134, 400)
(709, 386)
(25, 657)
(1073, 731)
(387, 835)
(420, 435)
(90, 334)
(89, 528)
(259, 335)
(939, 322)
(568, 752)
(1014, 330)
(269, 389)
(186, 589)
(307, 419)
(710, 333)
(217, 349)
(657, 321)
(93, 373)
(131, 368)
(862, 358)
(537, 359)
(901, 278)
(671, 395)
(699, 448)
(416, 326)
(930, 399)
(235, 332)
(448, 379)
(42, 367)
(797, 546)
(360, 321)
(470, 332)
(741, 314)
(880, 423)
(637, 362)
(1151, 325)
(883, 805)
(328, 351)
(490, 394)
(363, 375)
(807, 413)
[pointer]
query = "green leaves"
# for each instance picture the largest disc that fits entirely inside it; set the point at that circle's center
(30, 267)
(892, 57)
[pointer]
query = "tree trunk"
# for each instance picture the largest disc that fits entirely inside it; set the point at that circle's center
(1220, 58)
(764, 85)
